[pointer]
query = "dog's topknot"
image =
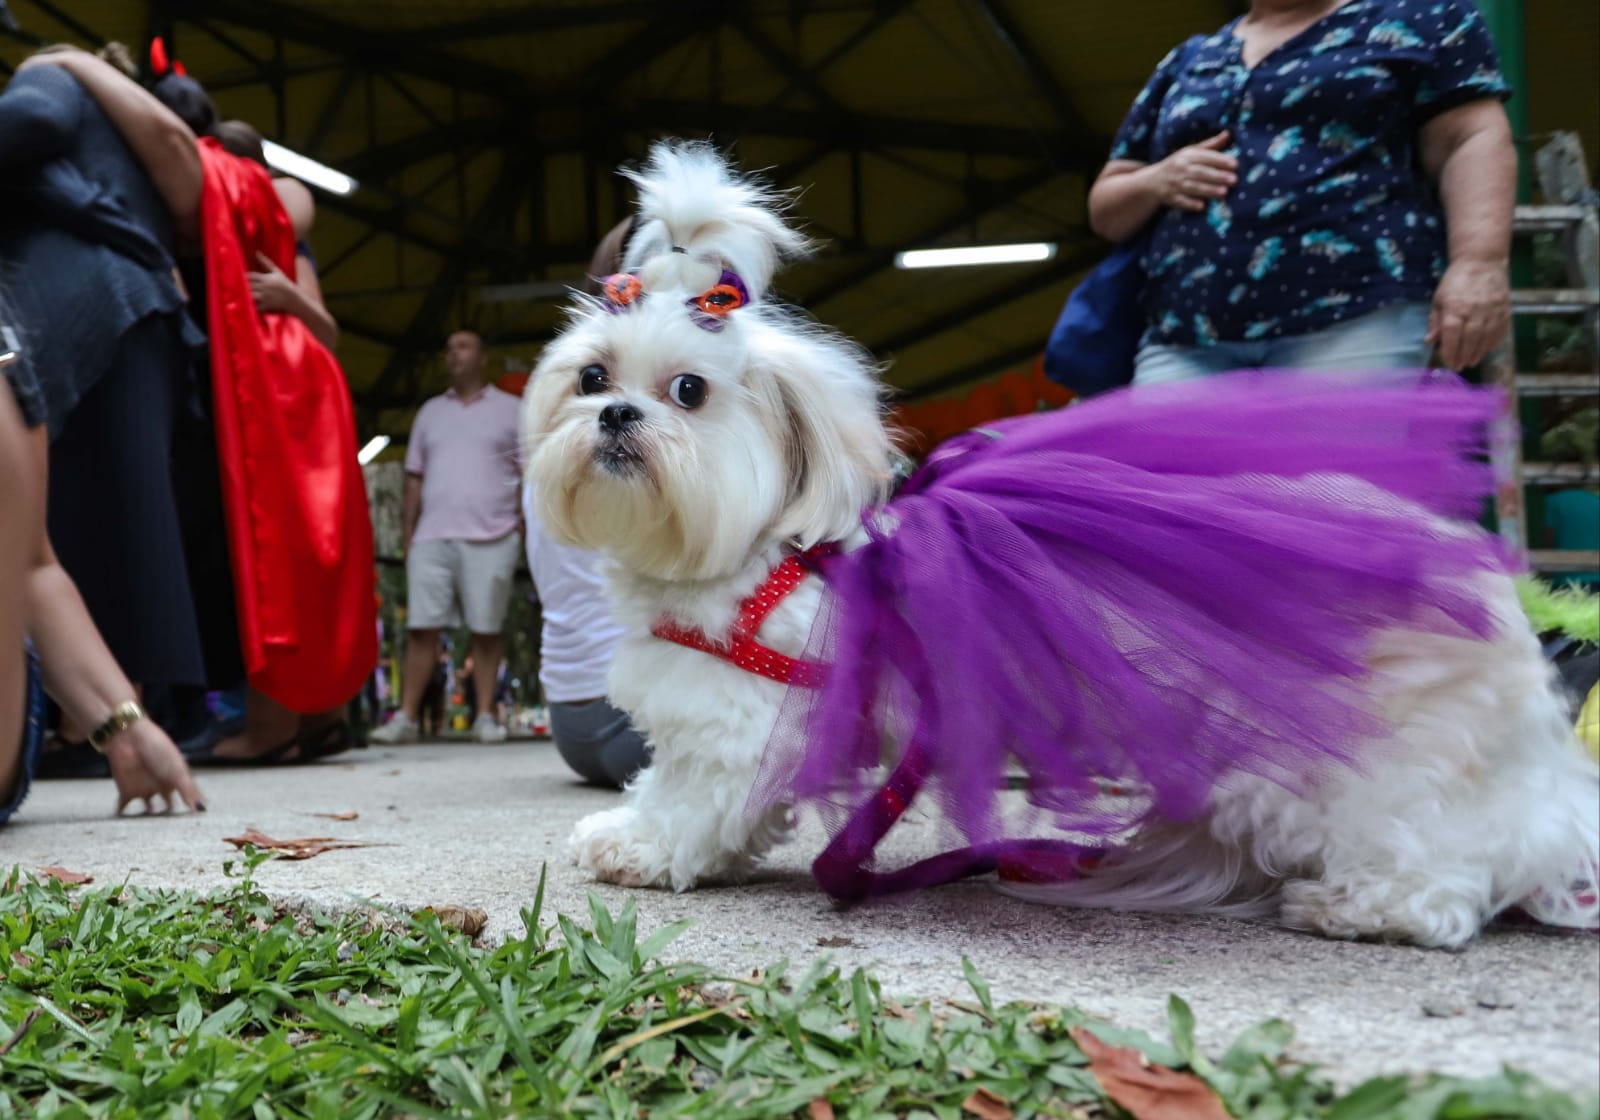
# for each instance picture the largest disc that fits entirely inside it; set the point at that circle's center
(698, 216)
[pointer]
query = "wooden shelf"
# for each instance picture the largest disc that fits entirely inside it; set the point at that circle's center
(1559, 474)
(1558, 384)
(1553, 301)
(1547, 219)
(1564, 560)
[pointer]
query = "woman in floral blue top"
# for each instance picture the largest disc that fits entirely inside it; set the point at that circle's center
(1327, 184)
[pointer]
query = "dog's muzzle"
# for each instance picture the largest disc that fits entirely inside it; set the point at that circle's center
(616, 450)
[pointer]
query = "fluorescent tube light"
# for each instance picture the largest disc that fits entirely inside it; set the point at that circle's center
(372, 450)
(307, 169)
(976, 254)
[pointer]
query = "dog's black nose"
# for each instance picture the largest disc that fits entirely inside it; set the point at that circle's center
(618, 417)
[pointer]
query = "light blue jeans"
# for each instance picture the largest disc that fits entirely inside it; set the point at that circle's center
(1389, 338)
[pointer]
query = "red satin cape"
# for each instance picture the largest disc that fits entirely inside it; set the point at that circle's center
(299, 530)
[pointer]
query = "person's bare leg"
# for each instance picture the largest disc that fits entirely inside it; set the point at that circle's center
(485, 670)
(21, 520)
(422, 652)
(268, 725)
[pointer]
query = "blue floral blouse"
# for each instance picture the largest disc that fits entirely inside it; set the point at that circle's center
(1331, 217)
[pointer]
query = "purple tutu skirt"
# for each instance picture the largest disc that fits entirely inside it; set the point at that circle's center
(1155, 588)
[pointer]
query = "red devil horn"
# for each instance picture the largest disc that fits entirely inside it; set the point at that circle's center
(177, 68)
(158, 57)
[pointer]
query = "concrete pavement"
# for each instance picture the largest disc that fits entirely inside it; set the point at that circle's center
(470, 825)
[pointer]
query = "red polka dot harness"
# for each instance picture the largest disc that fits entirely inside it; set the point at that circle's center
(741, 648)
(845, 867)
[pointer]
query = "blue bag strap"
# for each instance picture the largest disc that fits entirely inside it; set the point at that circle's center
(1057, 356)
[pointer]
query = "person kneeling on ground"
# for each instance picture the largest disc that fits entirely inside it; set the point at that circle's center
(39, 600)
(578, 642)
(579, 636)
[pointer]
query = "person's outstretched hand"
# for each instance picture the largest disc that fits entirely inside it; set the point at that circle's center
(1190, 177)
(147, 766)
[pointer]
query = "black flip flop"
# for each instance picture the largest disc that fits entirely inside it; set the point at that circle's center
(201, 749)
(335, 738)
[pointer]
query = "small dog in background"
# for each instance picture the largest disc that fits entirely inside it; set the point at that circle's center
(703, 437)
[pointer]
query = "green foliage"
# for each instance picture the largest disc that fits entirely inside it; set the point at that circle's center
(1573, 611)
(1573, 436)
(124, 1002)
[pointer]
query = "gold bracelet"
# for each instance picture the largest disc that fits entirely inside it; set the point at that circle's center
(122, 717)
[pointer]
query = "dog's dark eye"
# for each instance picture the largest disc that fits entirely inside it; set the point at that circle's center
(687, 391)
(592, 380)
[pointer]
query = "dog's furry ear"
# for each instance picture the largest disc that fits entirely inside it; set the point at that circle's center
(826, 401)
(690, 198)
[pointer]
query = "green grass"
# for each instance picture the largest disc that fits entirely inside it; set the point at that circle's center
(134, 1003)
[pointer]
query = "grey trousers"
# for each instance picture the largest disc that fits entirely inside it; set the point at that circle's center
(598, 742)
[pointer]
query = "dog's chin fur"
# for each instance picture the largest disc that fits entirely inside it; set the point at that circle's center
(1481, 798)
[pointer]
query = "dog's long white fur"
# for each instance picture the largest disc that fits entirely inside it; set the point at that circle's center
(1482, 798)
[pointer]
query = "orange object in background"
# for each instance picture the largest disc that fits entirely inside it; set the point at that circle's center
(929, 423)
(513, 383)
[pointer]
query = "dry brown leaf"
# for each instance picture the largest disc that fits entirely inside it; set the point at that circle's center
(303, 848)
(62, 875)
(347, 816)
(834, 943)
(821, 1109)
(988, 1105)
(1145, 1090)
(33, 1016)
(469, 920)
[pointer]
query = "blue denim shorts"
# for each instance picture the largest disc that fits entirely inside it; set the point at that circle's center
(32, 737)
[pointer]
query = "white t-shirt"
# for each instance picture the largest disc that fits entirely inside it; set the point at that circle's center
(580, 636)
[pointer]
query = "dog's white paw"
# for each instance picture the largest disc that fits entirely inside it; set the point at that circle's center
(614, 846)
(1380, 910)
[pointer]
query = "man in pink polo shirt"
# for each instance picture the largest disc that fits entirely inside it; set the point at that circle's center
(462, 515)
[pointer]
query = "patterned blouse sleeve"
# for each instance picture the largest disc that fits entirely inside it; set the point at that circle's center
(1138, 128)
(1464, 66)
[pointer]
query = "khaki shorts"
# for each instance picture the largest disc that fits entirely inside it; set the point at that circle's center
(451, 582)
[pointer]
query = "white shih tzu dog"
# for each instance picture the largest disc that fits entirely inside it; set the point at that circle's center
(702, 437)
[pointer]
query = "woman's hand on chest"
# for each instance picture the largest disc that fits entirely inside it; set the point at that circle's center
(1193, 175)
